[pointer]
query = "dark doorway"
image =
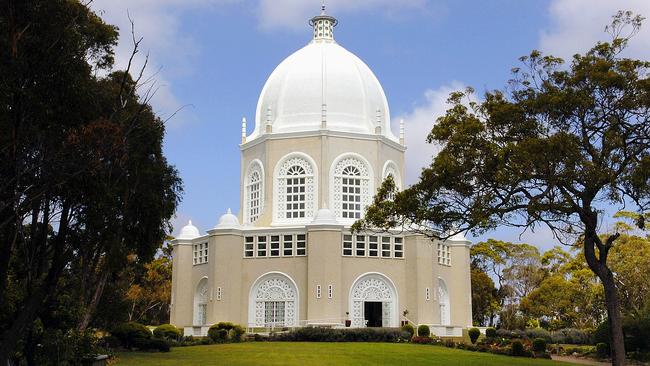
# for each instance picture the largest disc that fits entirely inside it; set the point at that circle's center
(372, 313)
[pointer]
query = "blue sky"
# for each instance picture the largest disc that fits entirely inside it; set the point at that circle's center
(210, 59)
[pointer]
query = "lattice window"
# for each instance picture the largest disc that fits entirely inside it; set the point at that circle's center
(351, 190)
(200, 253)
(444, 254)
(254, 189)
(295, 190)
(274, 302)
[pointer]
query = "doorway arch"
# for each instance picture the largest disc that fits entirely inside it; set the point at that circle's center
(373, 288)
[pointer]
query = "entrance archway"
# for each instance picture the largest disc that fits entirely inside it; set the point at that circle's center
(443, 301)
(373, 301)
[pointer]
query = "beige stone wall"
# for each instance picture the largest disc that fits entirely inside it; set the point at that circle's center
(324, 265)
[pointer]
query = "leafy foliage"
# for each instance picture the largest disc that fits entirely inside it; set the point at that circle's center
(423, 330)
(474, 333)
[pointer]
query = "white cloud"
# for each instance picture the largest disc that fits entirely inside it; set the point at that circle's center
(418, 124)
(576, 25)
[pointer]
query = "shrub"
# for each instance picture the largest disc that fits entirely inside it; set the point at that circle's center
(504, 333)
(422, 340)
(532, 333)
(423, 330)
(490, 332)
(225, 325)
(601, 334)
(152, 344)
(408, 328)
(312, 334)
(539, 345)
(131, 333)
(474, 333)
(167, 331)
(217, 335)
(517, 348)
(237, 333)
(602, 350)
(572, 336)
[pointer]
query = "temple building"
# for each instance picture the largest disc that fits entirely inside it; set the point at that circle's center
(321, 146)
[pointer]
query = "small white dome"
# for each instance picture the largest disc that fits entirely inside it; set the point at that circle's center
(189, 231)
(320, 80)
(325, 216)
(227, 221)
(458, 237)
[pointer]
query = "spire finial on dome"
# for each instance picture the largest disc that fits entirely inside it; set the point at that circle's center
(323, 25)
(229, 211)
(190, 222)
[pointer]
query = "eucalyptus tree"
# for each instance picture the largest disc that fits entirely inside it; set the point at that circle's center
(555, 148)
(83, 179)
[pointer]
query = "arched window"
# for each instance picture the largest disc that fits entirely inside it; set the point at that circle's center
(351, 188)
(273, 301)
(390, 168)
(443, 302)
(295, 191)
(254, 192)
(201, 303)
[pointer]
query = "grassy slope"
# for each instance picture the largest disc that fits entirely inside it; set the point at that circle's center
(287, 353)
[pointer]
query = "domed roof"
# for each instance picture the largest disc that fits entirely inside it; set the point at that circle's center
(325, 216)
(322, 86)
(227, 221)
(189, 231)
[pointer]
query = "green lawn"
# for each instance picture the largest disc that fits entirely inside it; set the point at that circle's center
(299, 353)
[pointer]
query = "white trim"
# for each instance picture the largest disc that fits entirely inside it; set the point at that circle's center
(332, 189)
(309, 213)
(444, 301)
(394, 302)
(197, 302)
(251, 165)
(251, 297)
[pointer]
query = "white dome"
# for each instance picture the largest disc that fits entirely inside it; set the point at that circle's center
(325, 216)
(189, 231)
(322, 81)
(227, 221)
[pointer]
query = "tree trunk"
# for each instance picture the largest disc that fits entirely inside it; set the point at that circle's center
(92, 306)
(614, 319)
(598, 265)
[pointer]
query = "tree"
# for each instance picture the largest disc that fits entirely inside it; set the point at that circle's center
(551, 150)
(485, 300)
(83, 180)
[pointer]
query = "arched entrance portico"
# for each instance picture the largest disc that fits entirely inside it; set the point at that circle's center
(273, 301)
(373, 301)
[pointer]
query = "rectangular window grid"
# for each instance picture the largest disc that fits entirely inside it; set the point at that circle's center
(295, 198)
(200, 253)
(249, 246)
(427, 294)
(444, 254)
(264, 246)
(261, 246)
(351, 198)
(275, 246)
(347, 245)
(374, 246)
(219, 293)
